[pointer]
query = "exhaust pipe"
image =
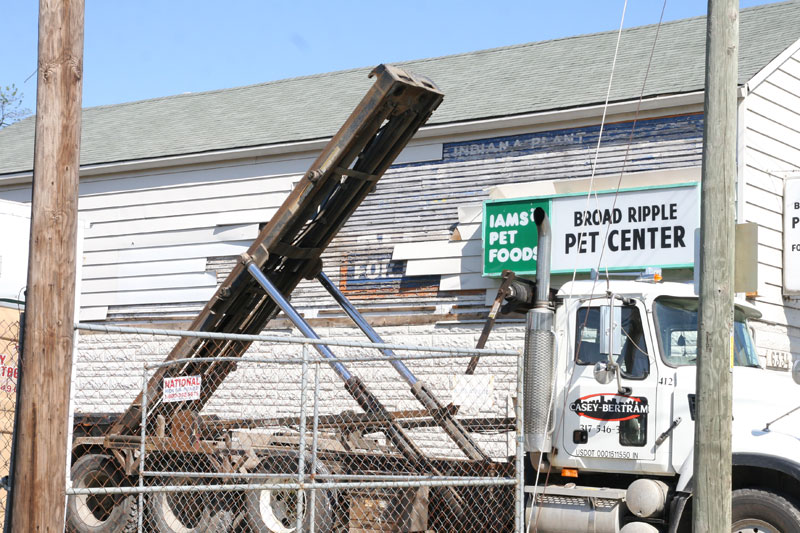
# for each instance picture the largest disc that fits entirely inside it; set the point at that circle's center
(539, 348)
(542, 257)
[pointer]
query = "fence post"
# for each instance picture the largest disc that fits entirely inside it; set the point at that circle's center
(142, 450)
(519, 520)
(301, 448)
(314, 440)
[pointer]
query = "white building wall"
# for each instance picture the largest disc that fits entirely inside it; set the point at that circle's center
(108, 377)
(160, 241)
(15, 219)
(772, 155)
(151, 234)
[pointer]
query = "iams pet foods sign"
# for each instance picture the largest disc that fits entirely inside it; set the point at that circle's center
(633, 229)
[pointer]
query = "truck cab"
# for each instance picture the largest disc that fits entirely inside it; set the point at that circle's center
(623, 411)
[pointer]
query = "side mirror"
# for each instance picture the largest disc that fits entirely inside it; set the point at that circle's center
(604, 372)
(796, 371)
(610, 337)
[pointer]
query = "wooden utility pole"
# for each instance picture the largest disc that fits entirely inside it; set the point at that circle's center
(38, 490)
(712, 441)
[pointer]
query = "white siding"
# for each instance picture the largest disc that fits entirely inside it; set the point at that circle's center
(772, 154)
(159, 241)
(151, 234)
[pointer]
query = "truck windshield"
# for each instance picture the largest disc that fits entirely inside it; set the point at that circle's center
(676, 322)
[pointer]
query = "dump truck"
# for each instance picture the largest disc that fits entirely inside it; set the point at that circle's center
(610, 406)
(107, 447)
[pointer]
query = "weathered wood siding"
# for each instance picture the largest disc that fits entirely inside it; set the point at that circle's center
(444, 237)
(772, 155)
(159, 242)
(151, 235)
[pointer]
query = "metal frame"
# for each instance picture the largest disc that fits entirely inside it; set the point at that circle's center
(289, 247)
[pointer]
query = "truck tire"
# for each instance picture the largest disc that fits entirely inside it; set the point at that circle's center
(762, 511)
(112, 513)
(187, 512)
(275, 511)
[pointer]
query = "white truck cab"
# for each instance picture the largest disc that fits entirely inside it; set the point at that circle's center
(610, 372)
(653, 424)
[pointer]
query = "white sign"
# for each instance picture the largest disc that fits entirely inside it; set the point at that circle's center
(182, 388)
(633, 229)
(791, 237)
(16, 223)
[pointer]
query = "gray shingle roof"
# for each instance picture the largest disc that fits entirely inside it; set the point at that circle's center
(539, 76)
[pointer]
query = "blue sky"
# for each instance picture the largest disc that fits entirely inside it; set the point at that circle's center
(142, 49)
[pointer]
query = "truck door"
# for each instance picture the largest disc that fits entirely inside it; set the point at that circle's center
(615, 420)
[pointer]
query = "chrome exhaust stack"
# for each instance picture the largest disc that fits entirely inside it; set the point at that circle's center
(539, 348)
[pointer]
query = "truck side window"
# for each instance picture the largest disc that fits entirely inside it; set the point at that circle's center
(676, 327)
(633, 359)
(587, 341)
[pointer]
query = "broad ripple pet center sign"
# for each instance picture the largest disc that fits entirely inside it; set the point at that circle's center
(635, 228)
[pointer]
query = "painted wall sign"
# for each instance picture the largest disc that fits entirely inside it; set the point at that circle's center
(367, 275)
(791, 236)
(683, 127)
(634, 229)
(610, 407)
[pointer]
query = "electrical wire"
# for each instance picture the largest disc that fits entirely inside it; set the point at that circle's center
(630, 138)
(602, 127)
(569, 379)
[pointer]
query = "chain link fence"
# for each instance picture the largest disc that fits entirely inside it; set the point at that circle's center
(292, 441)
(9, 359)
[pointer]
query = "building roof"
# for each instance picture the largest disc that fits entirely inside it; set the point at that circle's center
(527, 78)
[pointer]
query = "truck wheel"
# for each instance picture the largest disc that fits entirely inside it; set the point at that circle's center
(100, 513)
(762, 511)
(275, 511)
(187, 512)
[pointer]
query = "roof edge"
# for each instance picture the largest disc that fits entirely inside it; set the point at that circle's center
(772, 66)
(666, 102)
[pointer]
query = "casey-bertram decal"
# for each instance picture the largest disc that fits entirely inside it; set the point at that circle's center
(610, 407)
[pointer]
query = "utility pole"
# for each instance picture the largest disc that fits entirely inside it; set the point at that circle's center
(712, 441)
(39, 480)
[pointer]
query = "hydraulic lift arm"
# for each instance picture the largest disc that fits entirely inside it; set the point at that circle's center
(288, 248)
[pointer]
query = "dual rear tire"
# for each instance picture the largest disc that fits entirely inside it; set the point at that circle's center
(167, 512)
(100, 513)
(276, 511)
(266, 511)
(187, 512)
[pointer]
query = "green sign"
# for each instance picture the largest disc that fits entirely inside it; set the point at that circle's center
(509, 235)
